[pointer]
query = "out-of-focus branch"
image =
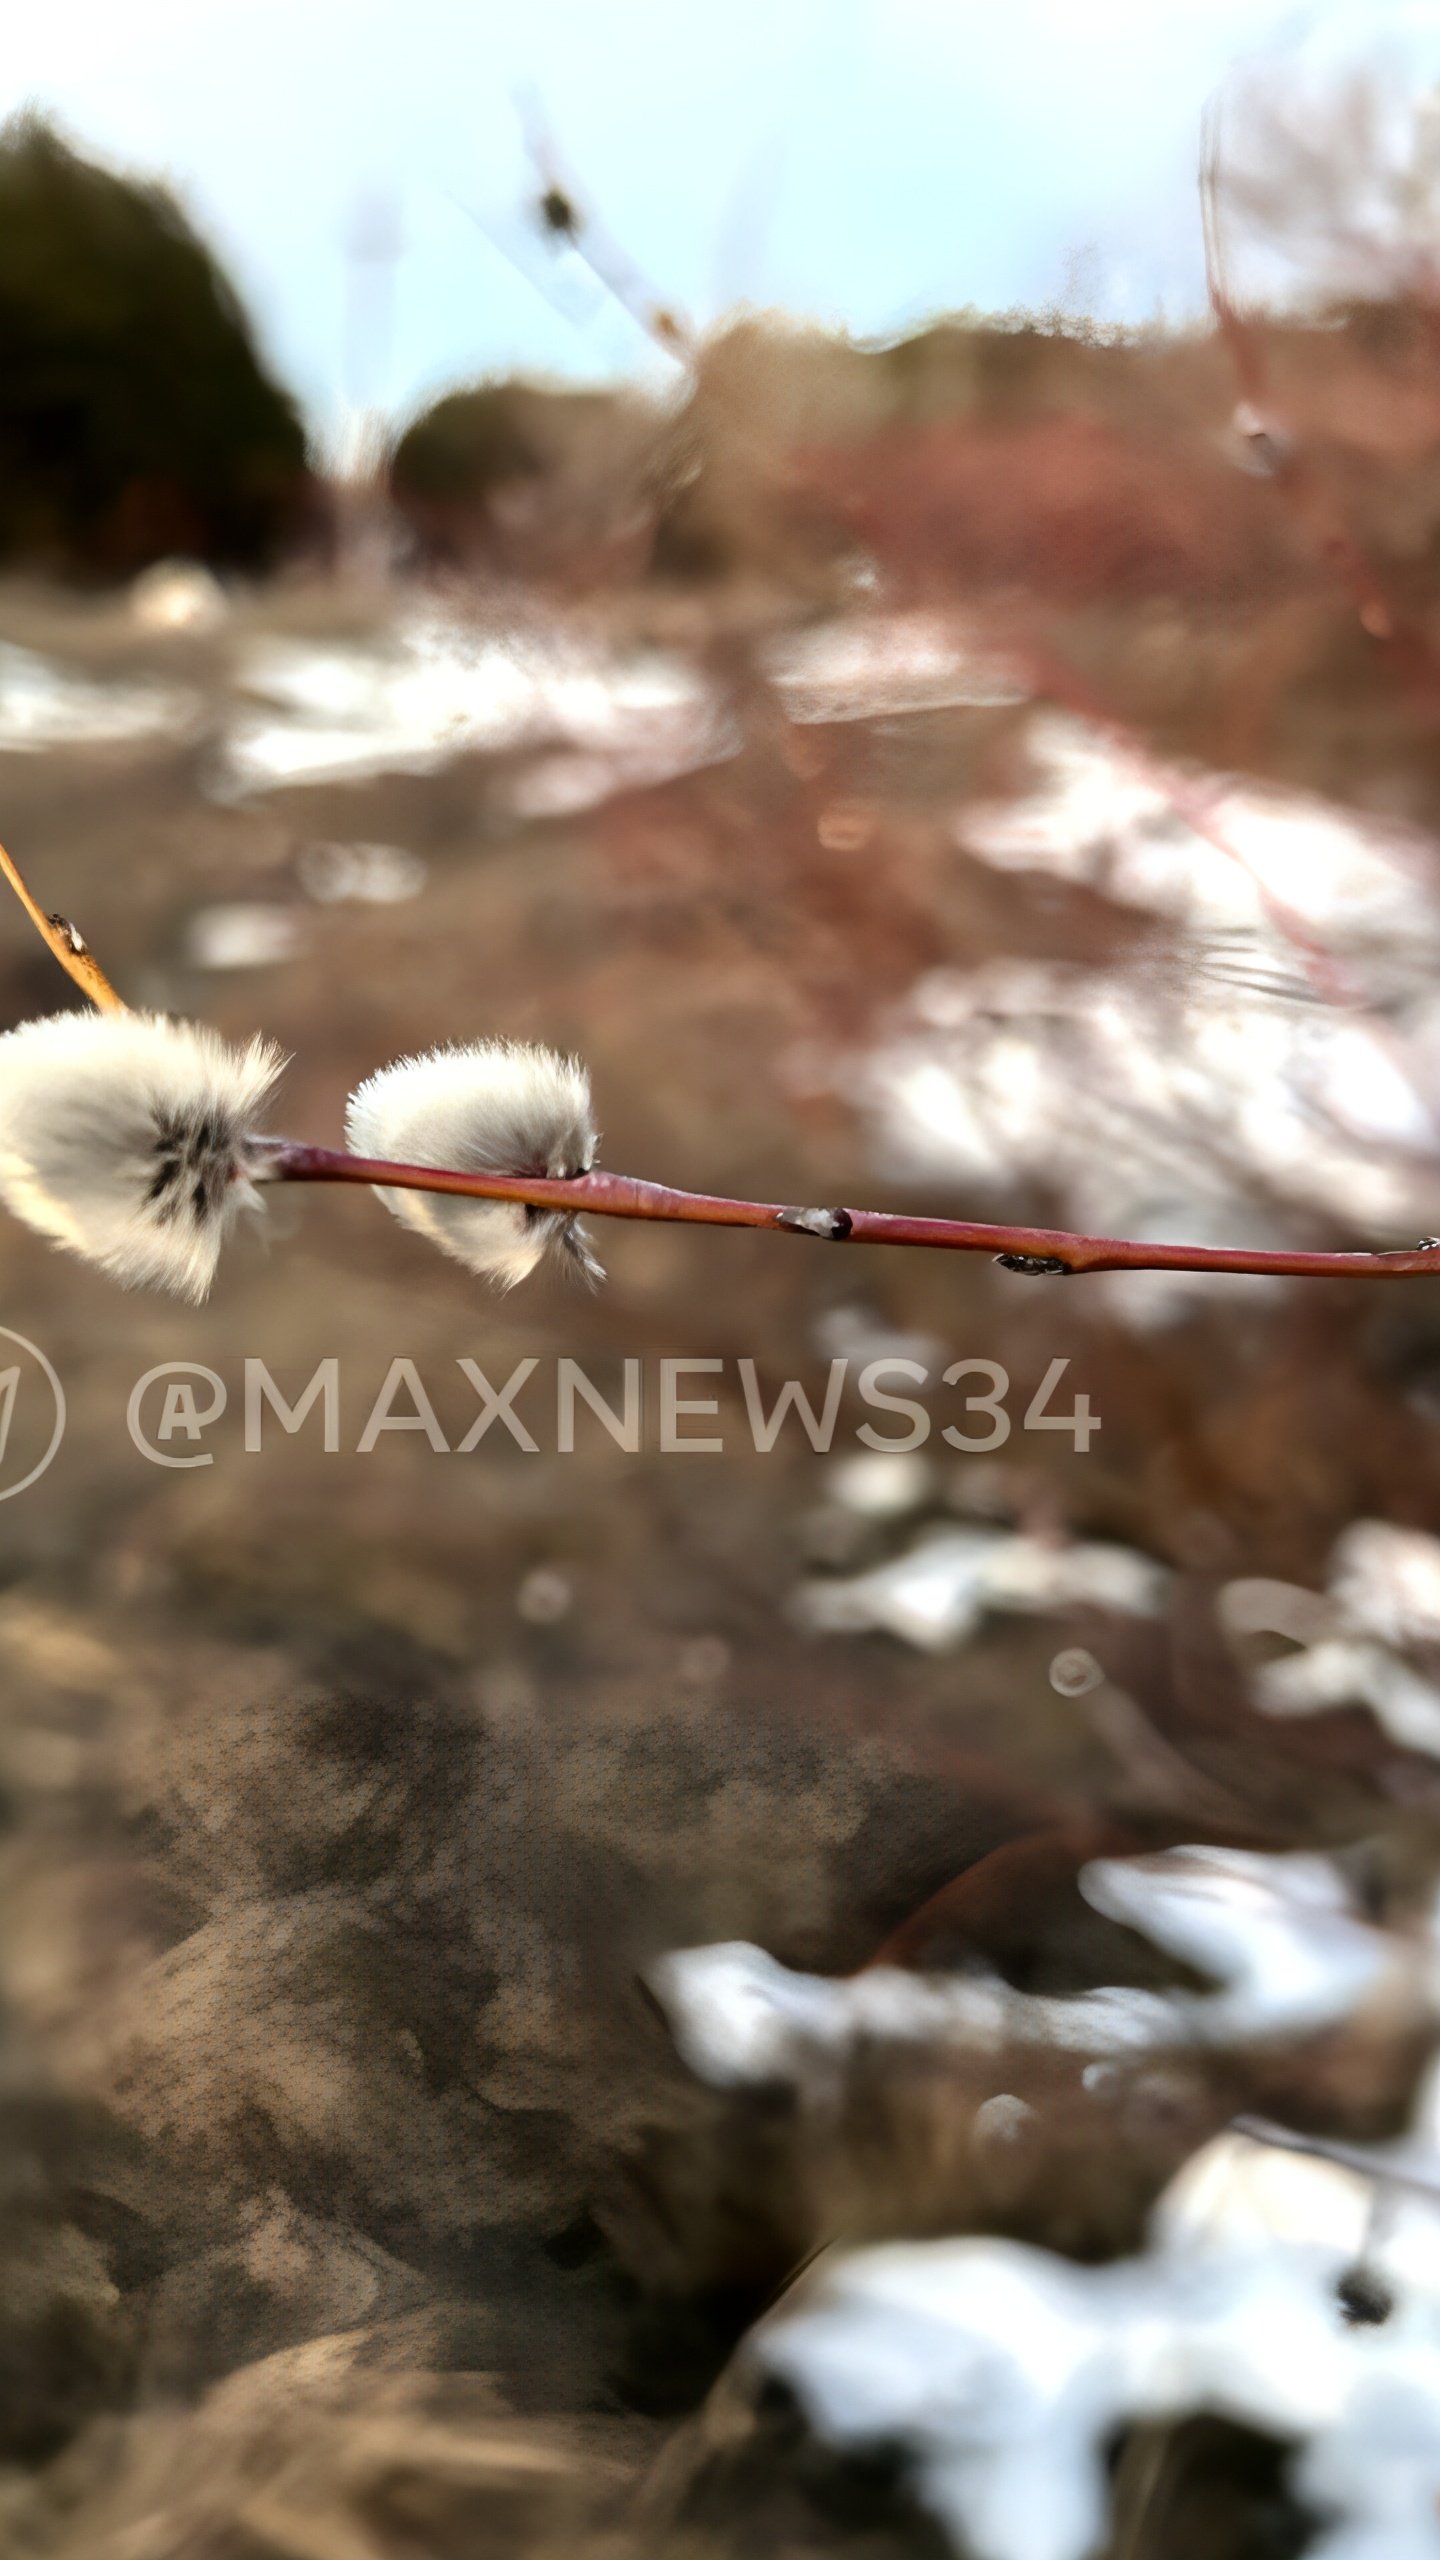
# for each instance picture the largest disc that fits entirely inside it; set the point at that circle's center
(565, 219)
(1420, 2175)
(65, 940)
(1285, 463)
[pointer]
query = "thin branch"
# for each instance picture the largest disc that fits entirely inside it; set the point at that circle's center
(1419, 2173)
(66, 942)
(1041, 1251)
(1321, 516)
(563, 218)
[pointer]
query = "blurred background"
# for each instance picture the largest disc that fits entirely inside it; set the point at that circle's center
(877, 575)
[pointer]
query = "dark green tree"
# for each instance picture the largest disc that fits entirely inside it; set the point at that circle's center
(136, 418)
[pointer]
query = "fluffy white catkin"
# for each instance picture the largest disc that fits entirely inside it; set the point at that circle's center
(495, 1107)
(128, 1138)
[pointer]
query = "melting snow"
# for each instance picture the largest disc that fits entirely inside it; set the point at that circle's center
(242, 936)
(368, 874)
(1005, 2373)
(1281, 1935)
(433, 688)
(882, 664)
(935, 1595)
(44, 705)
(1383, 1598)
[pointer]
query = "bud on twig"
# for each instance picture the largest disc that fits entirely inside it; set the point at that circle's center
(496, 1107)
(130, 1140)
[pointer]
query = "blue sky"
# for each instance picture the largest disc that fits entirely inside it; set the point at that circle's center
(868, 162)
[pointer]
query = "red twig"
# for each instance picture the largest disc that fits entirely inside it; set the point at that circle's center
(1039, 1250)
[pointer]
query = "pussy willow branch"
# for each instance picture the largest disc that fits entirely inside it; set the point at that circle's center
(1040, 1251)
(1043, 1251)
